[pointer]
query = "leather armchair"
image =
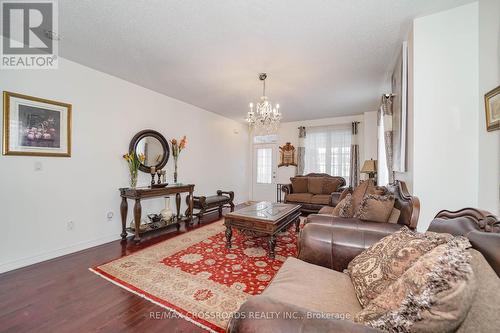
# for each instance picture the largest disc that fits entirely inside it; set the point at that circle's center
(333, 242)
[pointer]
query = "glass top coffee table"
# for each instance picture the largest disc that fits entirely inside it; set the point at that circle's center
(262, 218)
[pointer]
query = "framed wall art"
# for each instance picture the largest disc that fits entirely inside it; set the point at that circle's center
(287, 155)
(492, 108)
(35, 126)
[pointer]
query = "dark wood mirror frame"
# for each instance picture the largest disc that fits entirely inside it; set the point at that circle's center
(166, 148)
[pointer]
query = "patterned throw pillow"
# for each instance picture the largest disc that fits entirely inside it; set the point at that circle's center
(344, 208)
(376, 208)
(373, 270)
(433, 295)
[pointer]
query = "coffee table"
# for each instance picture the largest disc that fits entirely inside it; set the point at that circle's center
(262, 218)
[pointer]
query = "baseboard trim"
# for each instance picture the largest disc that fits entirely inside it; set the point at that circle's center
(48, 255)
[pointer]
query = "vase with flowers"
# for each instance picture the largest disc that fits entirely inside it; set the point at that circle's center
(177, 147)
(133, 162)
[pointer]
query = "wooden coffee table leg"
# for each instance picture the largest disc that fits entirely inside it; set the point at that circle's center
(297, 224)
(229, 234)
(272, 243)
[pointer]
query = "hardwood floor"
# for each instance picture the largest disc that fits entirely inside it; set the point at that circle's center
(62, 295)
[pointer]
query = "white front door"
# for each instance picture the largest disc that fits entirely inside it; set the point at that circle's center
(264, 172)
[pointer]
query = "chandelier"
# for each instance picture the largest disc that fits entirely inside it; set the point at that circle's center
(265, 118)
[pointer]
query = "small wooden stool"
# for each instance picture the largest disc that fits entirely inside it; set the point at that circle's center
(214, 202)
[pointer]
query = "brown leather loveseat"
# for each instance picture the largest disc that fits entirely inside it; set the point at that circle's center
(314, 191)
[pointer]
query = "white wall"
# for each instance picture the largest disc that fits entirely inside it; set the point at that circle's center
(489, 78)
(445, 110)
(107, 112)
(288, 132)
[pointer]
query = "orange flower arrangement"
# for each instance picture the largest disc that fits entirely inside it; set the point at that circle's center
(177, 147)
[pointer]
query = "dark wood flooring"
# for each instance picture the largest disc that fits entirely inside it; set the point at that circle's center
(62, 295)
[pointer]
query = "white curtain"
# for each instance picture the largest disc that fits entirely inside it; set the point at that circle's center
(328, 150)
(382, 170)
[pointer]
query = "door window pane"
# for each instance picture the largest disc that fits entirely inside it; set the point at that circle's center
(264, 165)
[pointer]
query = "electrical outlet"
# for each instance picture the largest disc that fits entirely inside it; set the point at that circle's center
(70, 225)
(110, 215)
(38, 166)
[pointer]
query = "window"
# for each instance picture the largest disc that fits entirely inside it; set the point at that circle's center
(264, 165)
(328, 150)
(271, 138)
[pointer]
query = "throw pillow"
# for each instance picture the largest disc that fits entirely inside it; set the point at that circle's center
(359, 193)
(433, 295)
(395, 213)
(331, 185)
(315, 185)
(376, 208)
(374, 269)
(344, 207)
(299, 184)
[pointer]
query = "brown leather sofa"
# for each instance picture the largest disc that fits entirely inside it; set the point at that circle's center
(333, 241)
(314, 191)
(302, 292)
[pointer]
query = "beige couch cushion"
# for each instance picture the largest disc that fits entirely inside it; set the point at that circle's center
(299, 197)
(315, 185)
(483, 314)
(299, 184)
(321, 199)
(313, 287)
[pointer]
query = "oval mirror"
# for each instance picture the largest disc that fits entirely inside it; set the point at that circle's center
(153, 146)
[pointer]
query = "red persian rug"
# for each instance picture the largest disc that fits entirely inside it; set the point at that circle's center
(194, 275)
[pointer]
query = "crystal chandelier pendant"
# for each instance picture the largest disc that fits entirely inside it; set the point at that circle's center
(264, 118)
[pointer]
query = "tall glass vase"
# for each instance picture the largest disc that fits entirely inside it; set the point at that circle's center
(133, 178)
(175, 170)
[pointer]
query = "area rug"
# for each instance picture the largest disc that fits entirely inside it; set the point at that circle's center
(195, 276)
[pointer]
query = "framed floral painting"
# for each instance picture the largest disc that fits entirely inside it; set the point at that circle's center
(492, 106)
(35, 126)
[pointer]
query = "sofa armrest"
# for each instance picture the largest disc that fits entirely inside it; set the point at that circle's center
(287, 318)
(287, 188)
(333, 242)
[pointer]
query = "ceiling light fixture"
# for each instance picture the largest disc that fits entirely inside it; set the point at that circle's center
(265, 119)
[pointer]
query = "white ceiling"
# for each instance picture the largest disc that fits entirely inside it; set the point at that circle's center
(324, 58)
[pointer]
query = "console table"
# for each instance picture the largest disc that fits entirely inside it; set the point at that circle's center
(140, 193)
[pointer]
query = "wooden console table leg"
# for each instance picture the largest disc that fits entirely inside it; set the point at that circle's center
(137, 219)
(190, 206)
(123, 212)
(178, 204)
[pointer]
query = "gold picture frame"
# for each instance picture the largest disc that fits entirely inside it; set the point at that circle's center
(34, 126)
(492, 109)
